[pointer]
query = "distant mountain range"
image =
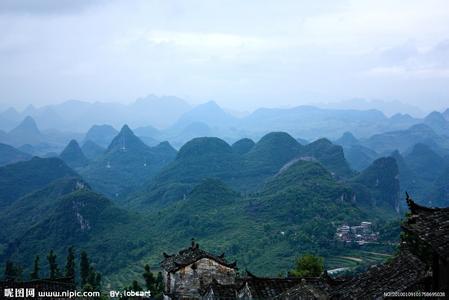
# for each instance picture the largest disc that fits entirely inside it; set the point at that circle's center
(78, 116)
(183, 123)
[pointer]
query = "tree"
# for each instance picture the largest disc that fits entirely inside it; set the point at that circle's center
(308, 266)
(152, 283)
(36, 268)
(12, 272)
(94, 278)
(159, 286)
(135, 286)
(53, 265)
(84, 268)
(70, 264)
(148, 276)
(90, 279)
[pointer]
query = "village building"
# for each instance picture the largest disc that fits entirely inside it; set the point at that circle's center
(188, 272)
(360, 234)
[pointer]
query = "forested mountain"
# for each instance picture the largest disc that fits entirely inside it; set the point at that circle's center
(19, 179)
(244, 170)
(330, 155)
(277, 222)
(68, 213)
(378, 185)
(243, 146)
(126, 164)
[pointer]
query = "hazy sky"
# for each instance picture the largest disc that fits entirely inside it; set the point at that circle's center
(241, 53)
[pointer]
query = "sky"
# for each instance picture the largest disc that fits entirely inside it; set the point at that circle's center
(242, 54)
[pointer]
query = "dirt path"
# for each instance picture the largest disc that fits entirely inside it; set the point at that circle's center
(356, 259)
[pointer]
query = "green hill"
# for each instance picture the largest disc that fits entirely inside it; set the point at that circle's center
(73, 156)
(329, 155)
(19, 179)
(126, 165)
(243, 146)
(274, 150)
(244, 171)
(378, 186)
(84, 219)
(34, 207)
(295, 212)
(197, 159)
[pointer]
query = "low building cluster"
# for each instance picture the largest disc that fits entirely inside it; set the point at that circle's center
(360, 234)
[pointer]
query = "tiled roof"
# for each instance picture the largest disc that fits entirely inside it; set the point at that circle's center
(266, 288)
(404, 272)
(309, 288)
(431, 225)
(172, 263)
(220, 291)
(262, 288)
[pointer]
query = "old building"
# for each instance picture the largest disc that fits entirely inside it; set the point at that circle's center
(188, 272)
(430, 226)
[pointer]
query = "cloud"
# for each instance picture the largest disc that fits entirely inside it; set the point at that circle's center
(244, 54)
(31, 7)
(408, 61)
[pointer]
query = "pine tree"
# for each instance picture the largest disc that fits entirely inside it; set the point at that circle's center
(36, 268)
(149, 278)
(70, 264)
(12, 271)
(98, 281)
(84, 268)
(135, 286)
(92, 278)
(9, 271)
(53, 265)
(160, 283)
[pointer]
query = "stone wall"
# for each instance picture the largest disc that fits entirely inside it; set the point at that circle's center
(187, 280)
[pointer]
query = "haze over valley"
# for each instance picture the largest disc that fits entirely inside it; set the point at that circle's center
(302, 142)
